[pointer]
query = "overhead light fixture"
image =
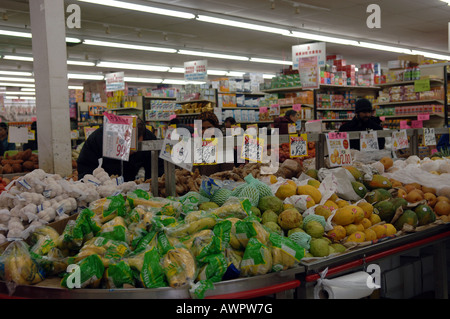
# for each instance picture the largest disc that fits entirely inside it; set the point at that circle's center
(17, 93)
(15, 34)
(432, 55)
(128, 46)
(176, 70)
(283, 62)
(28, 90)
(323, 38)
(76, 87)
(446, 1)
(141, 8)
(142, 80)
(235, 73)
(268, 76)
(383, 47)
(242, 25)
(16, 79)
(18, 58)
(25, 85)
(85, 76)
(132, 66)
(16, 73)
(73, 40)
(11, 97)
(216, 72)
(81, 63)
(27, 98)
(214, 55)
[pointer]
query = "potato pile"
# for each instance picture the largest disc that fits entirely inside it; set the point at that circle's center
(24, 161)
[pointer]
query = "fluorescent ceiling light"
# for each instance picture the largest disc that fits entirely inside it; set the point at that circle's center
(16, 79)
(142, 80)
(216, 72)
(214, 55)
(176, 70)
(73, 40)
(284, 62)
(243, 25)
(323, 38)
(25, 85)
(85, 76)
(82, 63)
(11, 97)
(18, 58)
(128, 46)
(382, 47)
(181, 82)
(432, 55)
(28, 98)
(268, 76)
(28, 90)
(15, 34)
(141, 8)
(16, 73)
(76, 87)
(17, 93)
(235, 73)
(132, 66)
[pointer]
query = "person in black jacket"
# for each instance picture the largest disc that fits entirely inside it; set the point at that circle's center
(363, 121)
(92, 151)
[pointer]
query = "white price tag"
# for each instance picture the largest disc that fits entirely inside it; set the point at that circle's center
(339, 149)
(117, 133)
(298, 145)
(399, 140)
(369, 141)
(252, 148)
(429, 137)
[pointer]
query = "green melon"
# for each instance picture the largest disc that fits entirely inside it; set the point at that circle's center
(238, 189)
(251, 193)
(425, 215)
(386, 210)
(408, 217)
(220, 196)
(359, 189)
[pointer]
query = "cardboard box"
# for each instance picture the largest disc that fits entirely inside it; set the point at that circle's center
(413, 59)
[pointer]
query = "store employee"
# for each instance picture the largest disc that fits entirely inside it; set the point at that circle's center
(363, 121)
(92, 151)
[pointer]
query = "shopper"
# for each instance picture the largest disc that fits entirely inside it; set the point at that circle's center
(32, 144)
(4, 144)
(282, 123)
(443, 144)
(92, 151)
(229, 122)
(362, 121)
(176, 122)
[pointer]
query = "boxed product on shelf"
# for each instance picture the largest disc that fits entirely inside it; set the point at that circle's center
(148, 92)
(227, 100)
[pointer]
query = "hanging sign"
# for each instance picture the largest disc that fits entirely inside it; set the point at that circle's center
(88, 130)
(274, 110)
(17, 134)
(117, 135)
(309, 72)
(422, 85)
(177, 150)
(74, 134)
(115, 81)
(429, 137)
(196, 71)
(339, 149)
(308, 50)
(209, 151)
(292, 128)
(399, 140)
(298, 145)
(369, 141)
(252, 148)
(31, 135)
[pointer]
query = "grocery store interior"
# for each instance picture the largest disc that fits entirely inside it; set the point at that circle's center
(258, 149)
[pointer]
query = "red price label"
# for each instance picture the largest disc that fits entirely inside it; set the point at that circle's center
(346, 159)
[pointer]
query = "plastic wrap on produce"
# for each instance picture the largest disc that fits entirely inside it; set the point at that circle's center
(343, 178)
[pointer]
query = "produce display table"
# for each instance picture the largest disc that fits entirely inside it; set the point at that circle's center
(281, 284)
(356, 260)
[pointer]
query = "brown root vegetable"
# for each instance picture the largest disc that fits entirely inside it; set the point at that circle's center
(26, 155)
(17, 168)
(28, 166)
(7, 169)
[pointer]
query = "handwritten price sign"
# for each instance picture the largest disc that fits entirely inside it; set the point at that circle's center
(429, 137)
(339, 149)
(298, 145)
(252, 148)
(399, 140)
(117, 133)
(369, 141)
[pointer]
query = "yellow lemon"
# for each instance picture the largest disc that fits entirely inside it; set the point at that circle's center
(370, 234)
(287, 206)
(360, 227)
(380, 230)
(390, 229)
(357, 237)
(337, 233)
(374, 219)
(359, 214)
(366, 223)
(368, 208)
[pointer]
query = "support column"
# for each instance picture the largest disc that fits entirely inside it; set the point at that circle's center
(52, 96)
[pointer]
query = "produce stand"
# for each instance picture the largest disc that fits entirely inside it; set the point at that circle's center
(281, 284)
(359, 258)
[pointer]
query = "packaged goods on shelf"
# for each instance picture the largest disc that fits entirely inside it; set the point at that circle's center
(158, 93)
(402, 93)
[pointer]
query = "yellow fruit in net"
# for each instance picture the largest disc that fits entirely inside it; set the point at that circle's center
(291, 182)
(342, 203)
(323, 210)
(370, 234)
(390, 229)
(331, 205)
(287, 206)
(374, 219)
(367, 208)
(357, 237)
(350, 229)
(337, 233)
(333, 198)
(314, 182)
(344, 216)
(380, 230)
(366, 223)
(273, 179)
(310, 202)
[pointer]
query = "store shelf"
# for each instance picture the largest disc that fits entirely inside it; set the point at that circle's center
(351, 87)
(410, 115)
(159, 98)
(195, 101)
(240, 108)
(335, 120)
(335, 109)
(432, 81)
(125, 109)
(285, 89)
(188, 114)
(410, 102)
(303, 105)
(244, 93)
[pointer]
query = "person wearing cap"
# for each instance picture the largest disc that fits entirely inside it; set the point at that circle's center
(282, 122)
(363, 121)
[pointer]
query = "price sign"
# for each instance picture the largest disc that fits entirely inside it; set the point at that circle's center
(292, 128)
(369, 141)
(31, 135)
(74, 134)
(416, 124)
(423, 117)
(404, 124)
(399, 140)
(177, 150)
(339, 149)
(209, 151)
(117, 134)
(274, 110)
(422, 85)
(263, 109)
(252, 148)
(88, 130)
(17, 134)
(236, 129)
(297, 107)
(298, 145)
(429, 137)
